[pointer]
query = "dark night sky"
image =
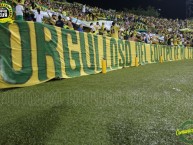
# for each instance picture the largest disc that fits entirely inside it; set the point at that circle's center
(170, 8)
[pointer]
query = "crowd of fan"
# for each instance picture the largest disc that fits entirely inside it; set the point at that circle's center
(125, 25)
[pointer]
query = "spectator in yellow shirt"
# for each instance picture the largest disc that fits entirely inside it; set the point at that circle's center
(70, 26)
(97, 27)
(115, 30)
(105, 32)
(102, 28)
(175, 40)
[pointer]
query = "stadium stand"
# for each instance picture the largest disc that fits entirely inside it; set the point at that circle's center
(122, 25)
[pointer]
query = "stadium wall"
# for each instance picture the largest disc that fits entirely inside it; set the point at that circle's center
(33, 53)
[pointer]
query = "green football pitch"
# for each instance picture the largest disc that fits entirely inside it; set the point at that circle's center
(133, 106)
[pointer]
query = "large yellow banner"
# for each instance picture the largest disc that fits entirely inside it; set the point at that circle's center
(32, 53)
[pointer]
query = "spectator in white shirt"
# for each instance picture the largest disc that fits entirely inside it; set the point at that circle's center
(92, 27)
(19, 11)
(84, 9)
(38, 16)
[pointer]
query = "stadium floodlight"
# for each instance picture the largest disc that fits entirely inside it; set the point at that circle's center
(189, 8)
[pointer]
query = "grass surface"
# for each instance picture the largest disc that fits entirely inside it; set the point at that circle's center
(132, 106)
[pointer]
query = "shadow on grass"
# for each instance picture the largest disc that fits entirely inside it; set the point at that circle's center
(128, 133)
(15, 88)
(31, 129)
(8, 89)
